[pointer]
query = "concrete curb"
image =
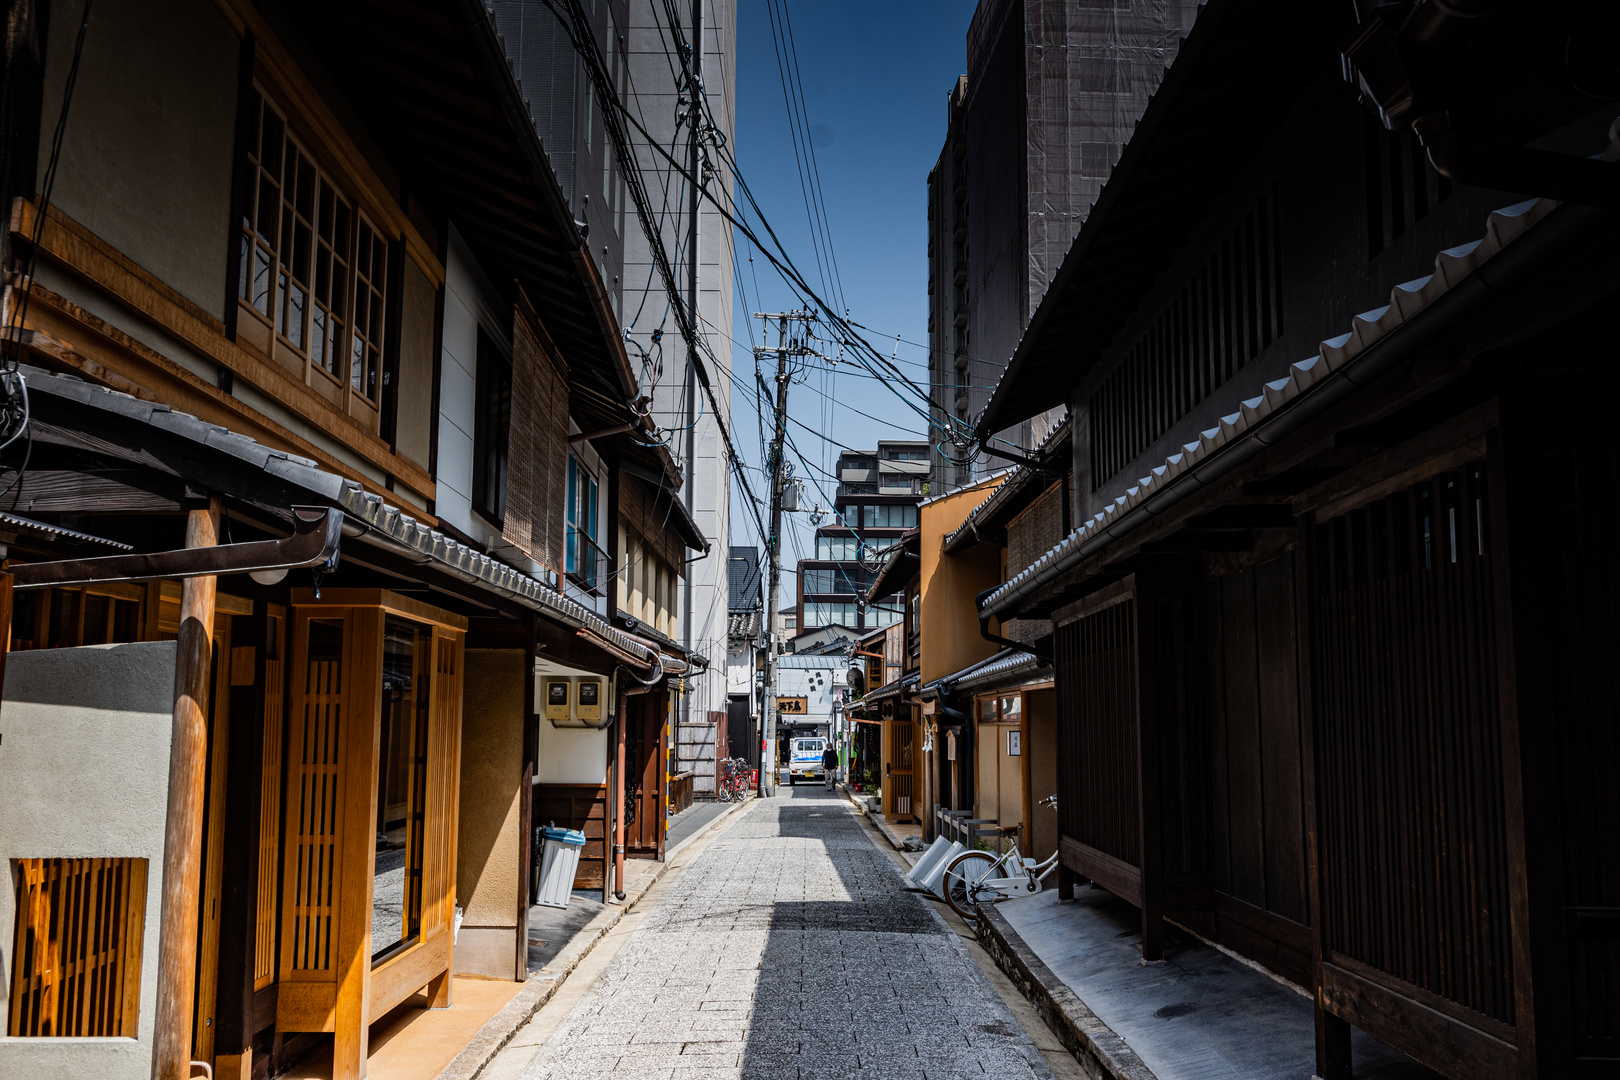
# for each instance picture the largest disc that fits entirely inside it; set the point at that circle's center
(1100, 1052)
(544, 984)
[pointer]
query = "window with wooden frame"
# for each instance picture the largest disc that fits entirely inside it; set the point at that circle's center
(313, 269)
(76, 947)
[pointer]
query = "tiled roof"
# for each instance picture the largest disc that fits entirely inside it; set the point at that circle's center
(1259, 416)
(378, 524)
(744, 626)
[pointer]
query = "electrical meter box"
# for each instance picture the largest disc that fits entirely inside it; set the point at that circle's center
(589, 700)
(558, 695)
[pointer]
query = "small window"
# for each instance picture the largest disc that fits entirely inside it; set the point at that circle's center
(583, 557)
(76, 947)
(490, 428)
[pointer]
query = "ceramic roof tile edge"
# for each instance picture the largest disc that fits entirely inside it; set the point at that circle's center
(969, 486)
(890, 689)
(1018, 476)
(1003, 663)
(897, 551)
(1451, 267)
(21, 522)
(385, 526)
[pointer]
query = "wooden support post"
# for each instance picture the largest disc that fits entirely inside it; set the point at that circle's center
(5, 624)
(182, 837)
(618, 799)
(1066, 880)
(1332, 1044)
(351, 958)
(526, 822)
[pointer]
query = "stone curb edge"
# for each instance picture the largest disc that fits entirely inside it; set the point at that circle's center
(1095, 1045)
(544, 984)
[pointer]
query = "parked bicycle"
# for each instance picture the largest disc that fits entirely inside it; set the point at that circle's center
(733, 780)
(983, 877)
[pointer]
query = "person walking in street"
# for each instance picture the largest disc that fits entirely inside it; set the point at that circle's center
(829, 765)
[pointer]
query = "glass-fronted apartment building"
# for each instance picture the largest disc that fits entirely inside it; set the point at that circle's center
(876, 502)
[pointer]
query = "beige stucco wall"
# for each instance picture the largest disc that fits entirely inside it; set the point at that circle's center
(84, 773)
(489, 845)
(146, 157)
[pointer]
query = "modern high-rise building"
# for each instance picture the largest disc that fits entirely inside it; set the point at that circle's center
(1053, 90)
(658, 95)
(876, 503)
(646, 67)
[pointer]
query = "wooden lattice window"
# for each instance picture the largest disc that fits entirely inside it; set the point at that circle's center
(312, 269)
(76, 950)
(314, 774)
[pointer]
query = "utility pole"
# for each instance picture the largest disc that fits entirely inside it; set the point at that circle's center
(786, 349)
(694, 91)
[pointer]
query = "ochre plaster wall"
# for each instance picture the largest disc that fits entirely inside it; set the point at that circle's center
(951, 640)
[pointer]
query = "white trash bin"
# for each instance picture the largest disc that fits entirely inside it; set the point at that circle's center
(930, 857)
(930, 881)
(557, 866)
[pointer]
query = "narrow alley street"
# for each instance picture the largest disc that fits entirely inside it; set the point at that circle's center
(789, 948)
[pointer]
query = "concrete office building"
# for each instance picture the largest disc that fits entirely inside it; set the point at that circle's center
(875, 504)
(1053, 90)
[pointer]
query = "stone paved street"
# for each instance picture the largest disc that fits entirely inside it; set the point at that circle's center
(789, 948)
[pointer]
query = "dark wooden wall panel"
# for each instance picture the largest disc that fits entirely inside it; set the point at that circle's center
(1173, 696)
(1278, 667)
(1566, 598)
(1097, 767)
(1408, 743)
(1246, 858)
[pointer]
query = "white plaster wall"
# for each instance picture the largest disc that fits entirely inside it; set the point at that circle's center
(570, 755)
(814, 684)
(740, 669)
(84, 773)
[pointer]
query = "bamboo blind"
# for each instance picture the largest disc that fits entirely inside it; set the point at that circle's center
(77, 948)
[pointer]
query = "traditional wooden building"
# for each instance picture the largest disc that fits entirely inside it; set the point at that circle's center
(1332, 623)
(302, 336)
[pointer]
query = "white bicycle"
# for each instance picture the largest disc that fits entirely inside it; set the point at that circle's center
(983, 877)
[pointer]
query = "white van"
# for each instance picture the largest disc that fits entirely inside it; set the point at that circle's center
(804, 759)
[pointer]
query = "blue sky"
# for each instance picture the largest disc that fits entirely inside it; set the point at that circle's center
(875, 76)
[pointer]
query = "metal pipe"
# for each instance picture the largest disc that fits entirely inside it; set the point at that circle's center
(317, 532)
(997, 639)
